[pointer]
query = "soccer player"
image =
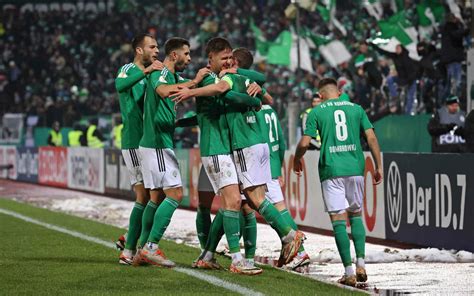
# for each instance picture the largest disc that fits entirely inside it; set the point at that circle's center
(130, 85)
(341, 169)
(160, 166)
(250, 151)
(273, 134)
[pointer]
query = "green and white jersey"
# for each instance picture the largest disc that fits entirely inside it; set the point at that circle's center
(273, 134)
(130, 85)
(159, 115)
(244, 128)
(339, 123)
(214, 137)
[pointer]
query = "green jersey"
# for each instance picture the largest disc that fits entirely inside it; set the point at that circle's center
(339, 123)
(214, 138)
(130, 85)
(159, 115)
(273, 134)
(242, 120)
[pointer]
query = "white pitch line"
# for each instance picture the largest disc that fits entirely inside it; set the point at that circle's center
(199, 275)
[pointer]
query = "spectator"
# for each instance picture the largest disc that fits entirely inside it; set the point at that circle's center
(467, 132)
(430, 70)
(452, 53)
(444, 127)
(55, 137)
(407, 73)
(76, 136)
(94, 137)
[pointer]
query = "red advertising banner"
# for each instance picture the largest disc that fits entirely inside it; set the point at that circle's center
(52, 167)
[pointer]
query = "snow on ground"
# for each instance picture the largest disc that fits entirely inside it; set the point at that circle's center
(420, 271)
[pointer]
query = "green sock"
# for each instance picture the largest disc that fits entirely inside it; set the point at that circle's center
(342, 241)
(232, 230)
(147, 222)
(250, 235)
(162, 219)
(203, 224)
(286, 215)
(358, 236)
(134, 226)
(216, 232)
(274, 218)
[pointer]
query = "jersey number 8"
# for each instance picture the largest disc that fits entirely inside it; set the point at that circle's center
(341, 127)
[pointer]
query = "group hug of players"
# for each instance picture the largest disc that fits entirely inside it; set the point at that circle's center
(242, 150)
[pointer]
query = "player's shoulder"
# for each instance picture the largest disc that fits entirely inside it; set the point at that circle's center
(210, 78)
(124, 70)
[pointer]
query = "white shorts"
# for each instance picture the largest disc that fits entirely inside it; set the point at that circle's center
(253, 165)
(160, 168)
(221, 170)
(343, 193)
(204, 184)
(133, 162)
(273, 193)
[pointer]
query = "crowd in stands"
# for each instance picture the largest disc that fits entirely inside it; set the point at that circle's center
(61, 65)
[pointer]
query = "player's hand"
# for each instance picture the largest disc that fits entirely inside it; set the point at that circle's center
(281, 181)
(182, 94)
(155, 66)
(225, 71)
(201, 74)
(254, 89)
(378, 176)
(297, 166)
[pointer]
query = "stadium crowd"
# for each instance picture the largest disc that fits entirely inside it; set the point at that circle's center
(68, 59)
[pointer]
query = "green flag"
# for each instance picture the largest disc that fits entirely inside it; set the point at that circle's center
(261, 44)
(396, 27)
(279, 50)
(429, 12)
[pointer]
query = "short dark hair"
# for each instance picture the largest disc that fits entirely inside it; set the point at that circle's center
(217, 44)
(243, 56)
(137, 41)
(175, 43)
(327, 81)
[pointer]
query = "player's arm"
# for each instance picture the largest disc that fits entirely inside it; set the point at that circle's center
(165, 90)
(375, 151)
(186, 122)
(124, 82)
(373, 145)
(281, 141)
(309, 132)
(267, 99)
(258, 77)
(240, 99)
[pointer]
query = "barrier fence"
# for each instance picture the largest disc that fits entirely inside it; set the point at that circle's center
(424, 199)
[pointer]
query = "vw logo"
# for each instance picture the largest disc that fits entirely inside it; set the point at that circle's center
(394, 196)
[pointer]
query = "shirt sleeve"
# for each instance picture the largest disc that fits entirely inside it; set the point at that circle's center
(311, 124)
(158, 78)
(124, 81)
(254, 75)
(365, 122)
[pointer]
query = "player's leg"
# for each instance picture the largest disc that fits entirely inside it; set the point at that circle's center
(275, 196)
(249, 232)
(335, 202)
(133, 165)
(253, 167)
(354, 196)
(168, 178)
(203, 216)
(223, 176)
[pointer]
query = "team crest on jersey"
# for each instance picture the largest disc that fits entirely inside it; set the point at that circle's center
(162, 79)
(175, 173)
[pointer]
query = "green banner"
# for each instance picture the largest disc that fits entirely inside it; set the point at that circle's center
(404, 133)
